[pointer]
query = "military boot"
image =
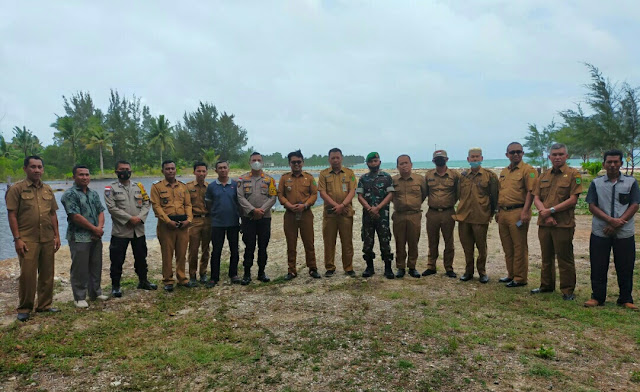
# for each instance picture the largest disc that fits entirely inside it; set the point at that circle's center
(262, 276)
(246, 279)
(369, 271)
(388, 271)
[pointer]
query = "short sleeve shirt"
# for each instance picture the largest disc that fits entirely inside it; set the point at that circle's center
(515, 183)
(337, 185)
(555, 186)
(196, 194)
(478, 196)
(224, 203)
(256, 192)
(33, 205)
(300, 189)
(409, 193)
(169, 199)
(442, 190)
(75, 201)
(613, 199)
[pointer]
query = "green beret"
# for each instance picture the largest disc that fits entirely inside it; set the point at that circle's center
(372, 155)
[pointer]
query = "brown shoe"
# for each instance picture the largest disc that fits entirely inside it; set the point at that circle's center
(630, 306)
(592, 303)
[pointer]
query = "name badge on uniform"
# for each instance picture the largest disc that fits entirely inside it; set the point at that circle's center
(344, 187)
(165, 201)
(107, 191)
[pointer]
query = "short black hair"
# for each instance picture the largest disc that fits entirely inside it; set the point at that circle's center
(30, 157)
(335, 149)
(122, 163)
(254, 154)
(403, 155)
(512, 143)
(167, 161)
(76, 167)
(614, 152)
(221, 161)
(200, 164)
(296, 153)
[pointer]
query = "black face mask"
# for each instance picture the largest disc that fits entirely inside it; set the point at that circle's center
(124, 175)
(374, 168)
(440, 161)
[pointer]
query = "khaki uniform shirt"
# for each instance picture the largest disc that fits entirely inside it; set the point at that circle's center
(301, 189)
(442, 190)
(256, 192)
(554, 187)
(515, 183)
(478, 196)
(337, 187)
(196, 195)
(168, 199)
(33, 206)
(124, 202)
(409, 194)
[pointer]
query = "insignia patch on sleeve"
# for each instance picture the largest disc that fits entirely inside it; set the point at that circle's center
(107, 191)
(532, 175)
(578, 181)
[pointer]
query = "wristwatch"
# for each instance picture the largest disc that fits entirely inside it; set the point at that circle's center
(16, 238)
(553, 210)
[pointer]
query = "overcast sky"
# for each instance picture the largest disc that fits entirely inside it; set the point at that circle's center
(390, 76)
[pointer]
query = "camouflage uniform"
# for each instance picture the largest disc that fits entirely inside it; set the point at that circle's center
(374, 188)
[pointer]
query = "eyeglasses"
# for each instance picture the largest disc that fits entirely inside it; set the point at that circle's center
(514, 152)
(295, 162)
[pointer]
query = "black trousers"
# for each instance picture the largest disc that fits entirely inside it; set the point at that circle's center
(118, 252)
(624, 258)
(253, 230)
(217, 240)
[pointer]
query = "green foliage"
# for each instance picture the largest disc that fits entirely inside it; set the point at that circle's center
(592, 168)
(545, 352)
(538, 143)
(635, 376)
(280, 160)
(161, 135)
(25, 141)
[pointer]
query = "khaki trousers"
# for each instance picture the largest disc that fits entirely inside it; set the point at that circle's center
(331, 226)
(406, 230)
(557, 242)
(474, 235)
(514, 244)
(36, 276)
(291, 228)
(173, 241)
(440, 221)
(199, 238)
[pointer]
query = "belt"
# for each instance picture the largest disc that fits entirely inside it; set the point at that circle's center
(508, 208)
(202, 216)
(407, 212)
(178, 218)
(441, 209)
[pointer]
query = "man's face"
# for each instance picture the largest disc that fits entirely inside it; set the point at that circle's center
(169, 171)
(558, 157)
(373, 164)
(34, 170)
(82, 177)
(200, 173)
(404, 165)
(255, 158)
(222, 170)
(474, 157)
(612, 165)
(515, 153)
(335, 160)
(296, 164)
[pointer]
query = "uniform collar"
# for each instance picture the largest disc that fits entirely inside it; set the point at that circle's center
(561, 169)
(166, 183)
(446, 173)
(195, 183)
(217, 181)
(293, 175)
(33, 184)
(515, 167)
(406, 179)
(620, 178)
(340, 171)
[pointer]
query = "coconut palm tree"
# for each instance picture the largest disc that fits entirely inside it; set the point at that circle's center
(210, 157)
(99, 137)
(161, 135)
(5, 151)
(70, 134)
(24, 140)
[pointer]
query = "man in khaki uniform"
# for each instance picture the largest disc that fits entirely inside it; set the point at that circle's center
(409, 193)
(478, 190)
(297, 192)
(555, 196)
(128, 203)
(31, 208)
(172, 206)
(337, 186)
(514, 214)
(200, 230)
(442, 193)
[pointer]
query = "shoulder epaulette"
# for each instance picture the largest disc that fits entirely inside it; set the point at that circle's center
(157, 182)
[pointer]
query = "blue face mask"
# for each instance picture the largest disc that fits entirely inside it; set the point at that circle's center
(475, 164)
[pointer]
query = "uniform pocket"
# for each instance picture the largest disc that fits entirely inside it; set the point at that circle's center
(545, 187)
(624, 198)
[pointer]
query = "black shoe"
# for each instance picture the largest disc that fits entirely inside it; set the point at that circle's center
(263, 278)
(329, 273)
(413, 273)
(466, 277)
(210, 284)
(314, 274)
(190, 284)
(568, 297)
(351, 273)
(540, 290)
(400, 273)
(506, 279)
(484, 278)
(235, 280)
(168, 288)
(203, 279)
(513, 283)
(451, 274)
(116, 292)
(428, 272)
(146, 285)
(368, 272)
(23, 317)
(48, 310)
(291, 276)
(246, 279)
(388, 273)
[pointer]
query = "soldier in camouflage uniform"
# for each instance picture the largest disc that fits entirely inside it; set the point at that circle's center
(375, 191)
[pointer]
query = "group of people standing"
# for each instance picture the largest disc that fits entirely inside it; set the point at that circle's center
(194, 215)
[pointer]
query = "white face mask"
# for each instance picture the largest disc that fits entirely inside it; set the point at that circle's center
(256, 165)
